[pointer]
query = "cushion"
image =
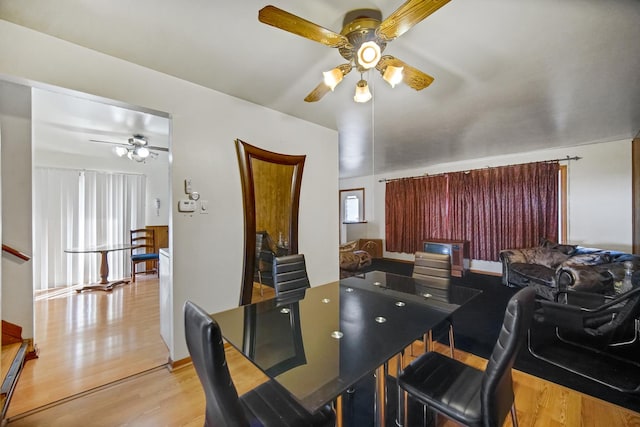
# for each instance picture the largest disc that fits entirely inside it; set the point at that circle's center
(354, 260)
(349, 246)
(544, 256)
(565, 249)
(146, 257)
(588, 259)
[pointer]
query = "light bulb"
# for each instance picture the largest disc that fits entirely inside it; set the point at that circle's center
(393, 75)
(362, 92)
(368, 55)
(120, 151)
(143, 152)
(332, 78)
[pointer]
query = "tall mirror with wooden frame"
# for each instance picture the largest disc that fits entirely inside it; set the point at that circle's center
(271, 196)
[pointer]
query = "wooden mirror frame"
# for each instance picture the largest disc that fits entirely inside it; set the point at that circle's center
(247, 153)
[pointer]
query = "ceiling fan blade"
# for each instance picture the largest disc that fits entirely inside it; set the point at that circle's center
(406, 16)
(317, 93)
(322, 89)
(152, 147)
(126, 144)
(411, 76)
(279, 18)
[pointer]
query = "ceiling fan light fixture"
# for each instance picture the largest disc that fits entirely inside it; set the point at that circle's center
(362, 92)
(120, 151)
(332, 78)
(142, 152)
(392, 75)
(368, 55)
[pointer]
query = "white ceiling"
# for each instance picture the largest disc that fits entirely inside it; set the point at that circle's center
(72, 125)
(510, 76)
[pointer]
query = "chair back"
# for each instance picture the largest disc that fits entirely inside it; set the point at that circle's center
(602, 321)
(432, 269)
(144, 241)
(497, 385)
(289, 274)
(204, 341)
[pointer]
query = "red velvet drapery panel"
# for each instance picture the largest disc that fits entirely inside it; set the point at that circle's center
(415, 208)
(494, 208)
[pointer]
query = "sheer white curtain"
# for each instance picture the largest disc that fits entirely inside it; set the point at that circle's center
(75, 209)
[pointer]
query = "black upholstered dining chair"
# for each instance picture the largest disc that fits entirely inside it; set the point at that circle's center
(468, 395)
(290, 275)
(265, 253)
(266, 405)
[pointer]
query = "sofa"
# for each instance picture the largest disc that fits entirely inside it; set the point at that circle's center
(554, 269)
(353, 259)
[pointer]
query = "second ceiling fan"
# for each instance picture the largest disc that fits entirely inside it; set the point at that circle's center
(361, 42)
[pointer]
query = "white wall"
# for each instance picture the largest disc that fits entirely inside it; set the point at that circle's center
(207, 250)
(599, 194)
(17, 275)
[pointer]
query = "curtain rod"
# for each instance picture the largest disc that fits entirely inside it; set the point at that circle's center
(565, 159)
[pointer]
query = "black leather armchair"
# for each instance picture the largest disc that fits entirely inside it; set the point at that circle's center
(595, 337)
(267, 405)
(613, 322)
(468, 395)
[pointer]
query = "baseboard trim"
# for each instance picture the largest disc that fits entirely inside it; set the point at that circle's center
(172, 365)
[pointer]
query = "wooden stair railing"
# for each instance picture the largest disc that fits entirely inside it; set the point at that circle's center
(15, 252)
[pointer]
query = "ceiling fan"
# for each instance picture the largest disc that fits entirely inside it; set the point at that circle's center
(135, 148)
(361, 42)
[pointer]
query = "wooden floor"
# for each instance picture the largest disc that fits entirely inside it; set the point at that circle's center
(89, 339)
(163, 398)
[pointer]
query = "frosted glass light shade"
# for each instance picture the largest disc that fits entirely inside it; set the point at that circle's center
(362, 92)
(393, 75)
(120, 151)
(332, 78)
(368, 55)
(143, 152)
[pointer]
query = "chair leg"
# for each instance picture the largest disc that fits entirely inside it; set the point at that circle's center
(337, 406)
(400, 417)
(428, 341)
(514, 415)
(452, 345)
(133, 272)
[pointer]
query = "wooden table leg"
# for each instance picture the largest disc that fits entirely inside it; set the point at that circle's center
(104, 268)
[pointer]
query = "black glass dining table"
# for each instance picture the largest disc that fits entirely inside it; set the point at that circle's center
(320, 342)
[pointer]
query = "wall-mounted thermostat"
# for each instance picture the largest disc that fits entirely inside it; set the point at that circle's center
(187, 206)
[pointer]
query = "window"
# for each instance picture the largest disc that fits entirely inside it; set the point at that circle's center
(352, 205)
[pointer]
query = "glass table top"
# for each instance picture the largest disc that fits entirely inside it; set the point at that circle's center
(325, 339)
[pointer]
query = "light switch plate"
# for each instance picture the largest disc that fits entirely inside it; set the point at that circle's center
(204, 207)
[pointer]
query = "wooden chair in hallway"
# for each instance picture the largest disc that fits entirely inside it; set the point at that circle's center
(143, 251)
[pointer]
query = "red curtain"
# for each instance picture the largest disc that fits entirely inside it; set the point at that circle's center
(494, 208)
(415, 209)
